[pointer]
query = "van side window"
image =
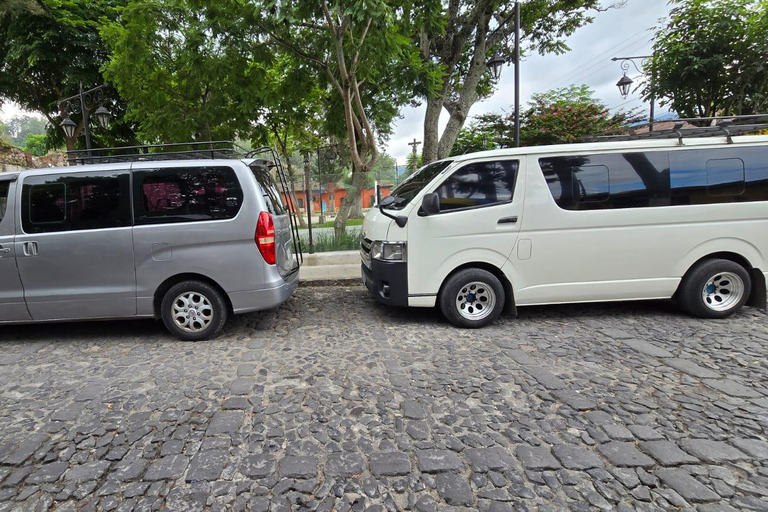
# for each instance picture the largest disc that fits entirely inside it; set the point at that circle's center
(75, 202)
(611, 180)
(728, 175)
(478, 184)
(186, 194)
(4, 187)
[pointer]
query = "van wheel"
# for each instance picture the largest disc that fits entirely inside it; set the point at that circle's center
(715, 288)
(193, 311)
(472, 298)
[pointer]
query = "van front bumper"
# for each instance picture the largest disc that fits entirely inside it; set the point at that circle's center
(387, 281)
(268, 298)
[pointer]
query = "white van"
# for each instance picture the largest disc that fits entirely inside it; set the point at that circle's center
(607, 221)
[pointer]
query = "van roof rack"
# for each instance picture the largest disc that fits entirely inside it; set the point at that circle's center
(151, 152)
(719, 126)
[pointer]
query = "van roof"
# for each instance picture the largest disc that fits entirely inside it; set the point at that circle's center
(610, 146)
(140, 164)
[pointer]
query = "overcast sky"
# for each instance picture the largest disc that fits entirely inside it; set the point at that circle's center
(616, 33)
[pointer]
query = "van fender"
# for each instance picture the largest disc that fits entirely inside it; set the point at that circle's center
(740, 251)
(733, 246)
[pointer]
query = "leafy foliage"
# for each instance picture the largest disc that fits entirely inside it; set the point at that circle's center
(48, 47)
(712, 58)
(35, 144)
(184, 69)
(487, 131)
(567, 115)
(18, 128)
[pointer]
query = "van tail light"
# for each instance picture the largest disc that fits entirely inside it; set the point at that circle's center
(265, 237)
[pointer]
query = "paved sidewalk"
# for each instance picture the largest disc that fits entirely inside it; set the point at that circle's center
(335, 402)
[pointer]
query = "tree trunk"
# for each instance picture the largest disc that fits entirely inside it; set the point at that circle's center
(348, 201)
(431, 121)
(357, 207)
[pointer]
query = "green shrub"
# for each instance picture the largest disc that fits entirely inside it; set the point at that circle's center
(327, 242)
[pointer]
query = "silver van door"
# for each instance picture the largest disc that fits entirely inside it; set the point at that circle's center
(287, 251)
(12, 306)
(75, 246)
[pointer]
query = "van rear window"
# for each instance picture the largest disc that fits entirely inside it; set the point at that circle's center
(188, 194)
(272, 198)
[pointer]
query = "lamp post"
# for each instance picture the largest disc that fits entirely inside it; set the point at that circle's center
(497, 61)
(84, 102)
(625, 82)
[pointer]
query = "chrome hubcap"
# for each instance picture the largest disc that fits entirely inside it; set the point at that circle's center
(723, 291)
(475, 300)
(192, 312)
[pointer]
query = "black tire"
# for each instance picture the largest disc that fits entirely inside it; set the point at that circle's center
(202, 297)
(473, 284)
(724, 294)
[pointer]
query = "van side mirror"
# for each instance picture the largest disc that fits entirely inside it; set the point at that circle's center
(430, 204)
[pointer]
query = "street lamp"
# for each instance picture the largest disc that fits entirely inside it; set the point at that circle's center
(625, 82)
(308, 197)
(495, 63)
(84, 103)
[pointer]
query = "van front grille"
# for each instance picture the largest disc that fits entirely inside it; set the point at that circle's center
(365, 251)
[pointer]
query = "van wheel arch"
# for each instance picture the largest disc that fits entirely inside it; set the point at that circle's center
(757, 298)
(509, 305)
(179, 278)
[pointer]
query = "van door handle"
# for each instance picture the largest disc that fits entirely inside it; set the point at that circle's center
(29, 248)
(5, 250)
(508, 220)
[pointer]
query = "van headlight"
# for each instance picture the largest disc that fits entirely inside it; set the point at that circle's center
(388, 251)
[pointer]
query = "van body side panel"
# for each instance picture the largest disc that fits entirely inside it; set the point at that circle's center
(223, 251)
(629, 253)
(78, 274)
(12, 305)
(441, 243)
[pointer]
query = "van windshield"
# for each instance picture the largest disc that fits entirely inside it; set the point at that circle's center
(4, 186)
(411, 187)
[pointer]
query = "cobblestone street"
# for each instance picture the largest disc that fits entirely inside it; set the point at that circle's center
(335, 402)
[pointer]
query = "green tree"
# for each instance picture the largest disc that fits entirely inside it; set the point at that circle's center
(567, 115)
(358, 51)
(455, 38)
(36, 144)
(18, 128)
(486, 131)
(47, 48)
(184, 69)
(712, 58)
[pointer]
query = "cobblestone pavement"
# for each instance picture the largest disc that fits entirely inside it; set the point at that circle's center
(336, 402)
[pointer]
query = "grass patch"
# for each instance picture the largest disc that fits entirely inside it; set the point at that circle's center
(328, 242)
(329, 224)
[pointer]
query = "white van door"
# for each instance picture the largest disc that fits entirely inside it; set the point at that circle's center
(481, 210)
(12, 306)
(75, 246)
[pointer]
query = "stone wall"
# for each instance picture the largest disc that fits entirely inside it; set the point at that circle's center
(16, 159)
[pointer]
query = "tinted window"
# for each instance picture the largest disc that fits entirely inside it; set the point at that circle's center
(731, 174)
(271, 196)
(408, 189)
(186, 194)
(73, 202)
(4, 186)
(590, 183)
(615, 180)
(478, 184)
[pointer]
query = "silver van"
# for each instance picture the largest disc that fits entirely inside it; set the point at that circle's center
(188, 241)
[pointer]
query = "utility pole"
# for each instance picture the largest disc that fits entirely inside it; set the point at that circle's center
(415, 144)
(308, 189)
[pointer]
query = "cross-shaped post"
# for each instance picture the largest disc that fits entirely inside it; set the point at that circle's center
(414, 144)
